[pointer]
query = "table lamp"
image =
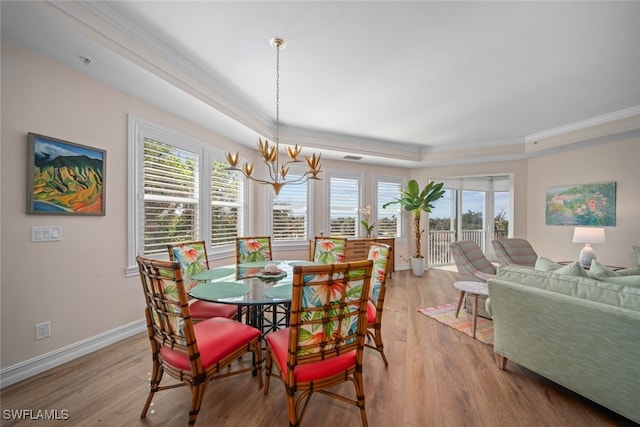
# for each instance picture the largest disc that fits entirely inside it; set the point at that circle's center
(588, 236)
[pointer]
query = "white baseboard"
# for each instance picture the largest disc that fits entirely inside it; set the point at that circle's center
(29, 368)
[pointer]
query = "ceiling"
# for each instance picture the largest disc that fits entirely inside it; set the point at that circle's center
(398, 83)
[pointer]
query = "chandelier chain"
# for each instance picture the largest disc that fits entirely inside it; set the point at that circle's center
(277, 93)
(277, 139)
(270, 154)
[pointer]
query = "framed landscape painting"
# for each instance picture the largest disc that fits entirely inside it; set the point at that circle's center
(585, 204)
(64, 178)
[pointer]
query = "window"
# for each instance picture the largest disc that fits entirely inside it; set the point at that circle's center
(227, 199)
(179, 190)
(473, 208)
(388, 221)
(501, 202)
(290, 217)
(171, 196)
(344, 201)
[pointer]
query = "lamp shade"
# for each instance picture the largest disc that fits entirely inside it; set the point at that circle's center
(588, 235)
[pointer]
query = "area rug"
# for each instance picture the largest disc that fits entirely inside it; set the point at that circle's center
(447, 314)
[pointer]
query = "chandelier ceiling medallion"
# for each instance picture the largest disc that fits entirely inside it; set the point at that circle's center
(270, 151)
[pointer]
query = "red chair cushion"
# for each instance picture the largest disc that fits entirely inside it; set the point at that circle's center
(217, 337)
(371, 314)
(206, 310)
(279, 342)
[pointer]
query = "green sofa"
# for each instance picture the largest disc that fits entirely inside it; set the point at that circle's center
(579, 332)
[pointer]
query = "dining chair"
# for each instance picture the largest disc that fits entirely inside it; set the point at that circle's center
(514, 251)
(380, 254)
(324, 344)
(252, 249)
(329, 250)
(193, 354)
(193, 259)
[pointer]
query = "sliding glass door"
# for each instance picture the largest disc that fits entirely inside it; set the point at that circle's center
(473, 208)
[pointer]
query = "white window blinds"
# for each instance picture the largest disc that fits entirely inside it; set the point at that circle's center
(344, 197)
(171, 196)
(290, 212)
(227, 200)
(389, 220)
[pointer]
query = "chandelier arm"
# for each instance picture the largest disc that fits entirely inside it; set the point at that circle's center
(272, 171)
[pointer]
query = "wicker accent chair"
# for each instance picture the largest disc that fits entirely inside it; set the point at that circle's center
(514, 252)
(193, 354)
(329, 250)
(380, 254)
(252, 249)
(474, 266)
(193, 259)
(324, 344)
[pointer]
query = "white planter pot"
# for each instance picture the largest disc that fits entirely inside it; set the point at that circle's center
(417, 266)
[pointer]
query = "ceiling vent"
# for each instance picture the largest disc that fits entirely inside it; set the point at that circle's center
(352, 158)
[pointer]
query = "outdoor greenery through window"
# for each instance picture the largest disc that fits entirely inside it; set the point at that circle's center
(290, 212)
(171, 196)
(344, 199)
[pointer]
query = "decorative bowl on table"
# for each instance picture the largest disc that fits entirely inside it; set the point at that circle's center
(272, 272)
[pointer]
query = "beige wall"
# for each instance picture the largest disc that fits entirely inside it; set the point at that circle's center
(79, 284)
(617, 162)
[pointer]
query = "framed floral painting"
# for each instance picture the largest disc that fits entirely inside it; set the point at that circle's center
(584, 204)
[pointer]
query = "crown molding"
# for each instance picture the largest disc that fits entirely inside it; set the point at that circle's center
(512, 149)
(350, 144)
(597, 127)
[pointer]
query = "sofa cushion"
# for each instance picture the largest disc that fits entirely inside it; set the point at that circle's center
(599, 271)
(625, 295)
(573, 269)
(636, 249)
(545, 264)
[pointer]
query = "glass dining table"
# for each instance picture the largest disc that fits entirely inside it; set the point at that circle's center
(263, 299)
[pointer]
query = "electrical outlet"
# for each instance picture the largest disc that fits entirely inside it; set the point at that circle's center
(43, 330)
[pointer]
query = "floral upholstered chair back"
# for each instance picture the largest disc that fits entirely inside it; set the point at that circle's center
(379, 253)
(328, 310)
(192, 257)
(329, 250)
(253, 249)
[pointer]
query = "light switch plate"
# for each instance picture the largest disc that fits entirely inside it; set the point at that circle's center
(46, 234)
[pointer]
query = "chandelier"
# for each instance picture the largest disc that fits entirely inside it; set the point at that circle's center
(269, 152)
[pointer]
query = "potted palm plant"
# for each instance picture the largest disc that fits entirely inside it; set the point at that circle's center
(416, 201)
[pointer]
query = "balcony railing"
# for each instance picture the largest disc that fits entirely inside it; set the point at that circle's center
(440, 240)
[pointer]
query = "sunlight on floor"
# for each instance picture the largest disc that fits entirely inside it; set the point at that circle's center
(449, 267)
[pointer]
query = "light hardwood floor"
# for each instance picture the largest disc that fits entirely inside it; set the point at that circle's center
(436, 377)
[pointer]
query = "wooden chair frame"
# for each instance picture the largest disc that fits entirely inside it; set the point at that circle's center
(167, 313)
(379, 275)
(326, 344)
